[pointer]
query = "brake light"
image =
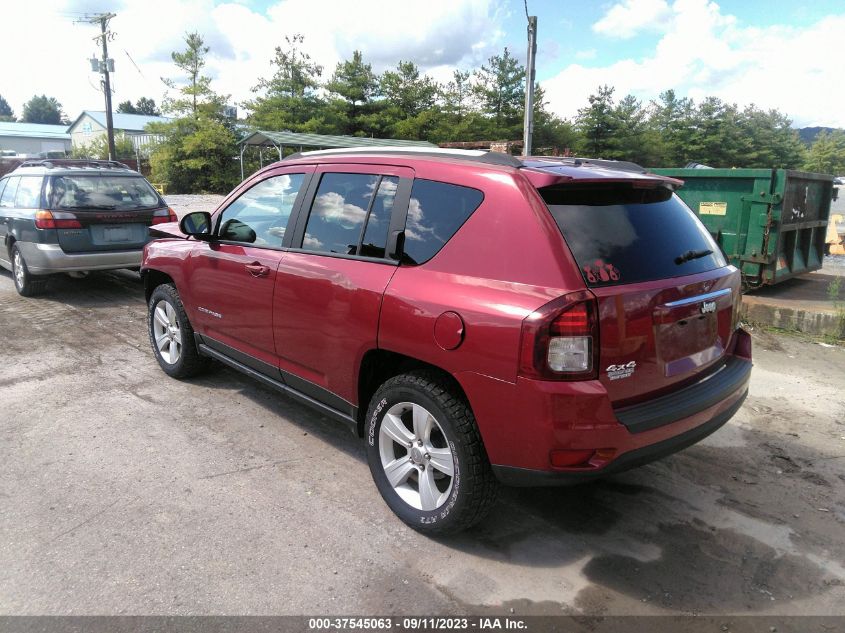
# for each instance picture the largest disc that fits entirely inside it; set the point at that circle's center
(560, 340)
(161, 216)
(56, 220)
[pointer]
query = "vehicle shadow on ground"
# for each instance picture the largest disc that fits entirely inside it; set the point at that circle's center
(700, 531)
(113, 288)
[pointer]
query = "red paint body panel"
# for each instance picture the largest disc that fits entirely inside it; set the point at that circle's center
(316, 316)
(326, 318)
(233, 302)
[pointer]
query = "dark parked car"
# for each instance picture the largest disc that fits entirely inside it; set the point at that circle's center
(73, 216)
(476, 318)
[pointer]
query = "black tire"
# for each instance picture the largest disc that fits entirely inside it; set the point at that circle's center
(189, 362)
(27, 284)
(474, 487)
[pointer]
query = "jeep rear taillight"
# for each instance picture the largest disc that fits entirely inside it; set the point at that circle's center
(56, 220)
(162, 216)
(560, 340)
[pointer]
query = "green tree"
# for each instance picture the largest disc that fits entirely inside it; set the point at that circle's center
(199, 147)
(6, 112)
(355, 87)
(773, 141)
(141, 106)
(43, 109)
(407, 90)
(672, 120)
(827, 153)
(126, 107)
(717, 138)
(500, 90)
(551, 133)
(597, 123)
(289, 99)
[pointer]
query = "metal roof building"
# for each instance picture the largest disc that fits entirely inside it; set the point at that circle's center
(298, 141)
(33, 138)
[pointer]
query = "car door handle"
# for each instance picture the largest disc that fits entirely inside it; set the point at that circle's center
(257, 270)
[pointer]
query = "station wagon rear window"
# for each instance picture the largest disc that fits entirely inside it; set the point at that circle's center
(121, 193)
(622, 234)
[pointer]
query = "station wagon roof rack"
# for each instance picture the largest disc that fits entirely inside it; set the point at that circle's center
(479, 156)
(83, 163)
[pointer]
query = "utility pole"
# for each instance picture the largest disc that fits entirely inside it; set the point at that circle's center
(528, 128)
(106, 65)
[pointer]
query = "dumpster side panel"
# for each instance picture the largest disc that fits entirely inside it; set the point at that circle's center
(770, 223)
(801, 223)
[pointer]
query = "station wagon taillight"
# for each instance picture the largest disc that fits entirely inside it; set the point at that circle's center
(162, 216)
(560, 340)
(56, 220)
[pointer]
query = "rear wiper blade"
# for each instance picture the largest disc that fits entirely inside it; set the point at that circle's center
(107, 207)
(690, 255)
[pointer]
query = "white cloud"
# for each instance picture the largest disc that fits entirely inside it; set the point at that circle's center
(627, 18)
(703, 52)
(437, 34)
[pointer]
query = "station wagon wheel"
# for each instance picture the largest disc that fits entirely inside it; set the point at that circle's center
(171, 334)
(426, 455)
(26, 283)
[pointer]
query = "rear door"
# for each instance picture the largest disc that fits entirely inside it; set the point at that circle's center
(666, 295)
(329, 290)
(112, 211)
(232, 279)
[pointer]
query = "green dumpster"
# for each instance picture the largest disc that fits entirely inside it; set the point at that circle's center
(770, 223)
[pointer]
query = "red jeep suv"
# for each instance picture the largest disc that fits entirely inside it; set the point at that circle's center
(476, 318)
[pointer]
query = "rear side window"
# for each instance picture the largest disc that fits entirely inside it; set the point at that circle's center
(436, 211)
(8, 198)
(29, 192)
(351, 214)
(620, 234)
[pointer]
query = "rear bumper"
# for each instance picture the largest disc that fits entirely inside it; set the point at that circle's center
(525, 477)
(525, 423)
(44, 259)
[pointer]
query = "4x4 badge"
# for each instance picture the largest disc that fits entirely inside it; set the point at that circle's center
(625, 370)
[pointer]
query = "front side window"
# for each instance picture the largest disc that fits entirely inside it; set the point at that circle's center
(120, 193)
(8, 199)
(29, 192)
(260, 215)
(436, 211)
(350, 214)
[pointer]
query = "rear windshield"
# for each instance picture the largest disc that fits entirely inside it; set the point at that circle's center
(620, 234)
(121, 193)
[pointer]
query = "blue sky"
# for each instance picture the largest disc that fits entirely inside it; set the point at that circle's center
(777, 54)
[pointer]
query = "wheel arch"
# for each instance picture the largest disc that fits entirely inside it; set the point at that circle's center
(153, 279)
(380, 365)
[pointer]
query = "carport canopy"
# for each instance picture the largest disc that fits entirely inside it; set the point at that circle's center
(300, 141)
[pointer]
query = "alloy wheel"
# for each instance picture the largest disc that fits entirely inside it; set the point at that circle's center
(166, 332)
(415, 456)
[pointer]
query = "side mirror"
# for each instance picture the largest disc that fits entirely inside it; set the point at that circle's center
(197, 224)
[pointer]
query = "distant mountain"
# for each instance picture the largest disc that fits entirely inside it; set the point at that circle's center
(808, 134)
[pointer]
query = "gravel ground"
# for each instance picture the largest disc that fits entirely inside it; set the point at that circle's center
(127, 492)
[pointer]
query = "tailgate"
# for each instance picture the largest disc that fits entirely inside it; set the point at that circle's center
(107, 230)
(103, 211)
(654, 337)
(666, 295)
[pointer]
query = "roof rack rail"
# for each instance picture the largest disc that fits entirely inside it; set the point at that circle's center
(619, 165)
(49, 163)
(479, 156)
